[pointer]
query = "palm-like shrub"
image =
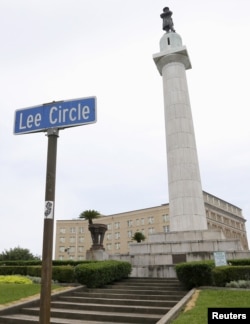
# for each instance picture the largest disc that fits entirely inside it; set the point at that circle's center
(89, 215)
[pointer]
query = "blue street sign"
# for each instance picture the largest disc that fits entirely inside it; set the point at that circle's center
(59, 114)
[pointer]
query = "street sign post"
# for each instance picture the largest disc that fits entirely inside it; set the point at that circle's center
(51, 118)
(59, 115)
(46, 273)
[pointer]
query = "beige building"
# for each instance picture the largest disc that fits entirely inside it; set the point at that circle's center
(73, 238)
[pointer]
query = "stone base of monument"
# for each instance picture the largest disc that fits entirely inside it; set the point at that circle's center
(97, 255)
(158, 256)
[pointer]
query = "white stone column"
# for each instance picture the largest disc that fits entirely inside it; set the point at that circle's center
(187, 210)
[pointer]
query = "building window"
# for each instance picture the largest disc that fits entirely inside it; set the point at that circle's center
(150, 220)
(62, 230)
(61, 249)
(233, 223)
(213, 216)
(130, 223)
(71, 249)
(137, 222)
(109, 236)
(165, 218)
(62, 239)
(130, 233)
(117, 235)
(109, 246)
(72, 239)
(72, 230)
(80, 249)
(81, 230)
(151, 230)
(81, 239)
(218, 218)
(109, 227)
(117, 246)
(166, 228)
(142, 221)
(117, 225)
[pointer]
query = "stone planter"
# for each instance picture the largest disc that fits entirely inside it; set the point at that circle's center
(97, 233)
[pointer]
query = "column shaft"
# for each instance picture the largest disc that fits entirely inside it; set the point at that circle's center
(187, 211)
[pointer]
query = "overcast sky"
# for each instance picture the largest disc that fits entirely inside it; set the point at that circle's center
(65, 49)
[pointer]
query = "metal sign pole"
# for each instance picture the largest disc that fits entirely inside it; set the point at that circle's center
(45, 295)
(51, 117)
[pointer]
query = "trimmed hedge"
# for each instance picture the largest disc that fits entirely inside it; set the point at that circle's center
(101, 273)
(63, 274)
(34, 271)
(238, 262)
(226, 274)
(195, 274)
(204, 273)
(90, 273)
(59, 273)
(39, 262)
(20, 262)
(71, 262)
(13, 270)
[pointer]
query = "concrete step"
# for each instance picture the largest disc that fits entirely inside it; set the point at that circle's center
(142, 301)
(132, 294)
(146, 279)
(111, 307)
(144, 296)
(145, 291)
(143, 283)
(23, 319)
(151, 280)
(127, 286)
(95, 315)
(118, 301)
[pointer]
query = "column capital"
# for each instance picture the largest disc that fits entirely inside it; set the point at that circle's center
(165, 57)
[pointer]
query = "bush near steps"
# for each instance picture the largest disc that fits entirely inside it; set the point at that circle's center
(102, 273)
(204, 273)
(91, 274)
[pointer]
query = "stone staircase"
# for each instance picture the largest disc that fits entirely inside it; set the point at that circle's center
(134, 300)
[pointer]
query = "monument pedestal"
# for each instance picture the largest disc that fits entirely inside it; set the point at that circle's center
(158, 257)
(97, 255)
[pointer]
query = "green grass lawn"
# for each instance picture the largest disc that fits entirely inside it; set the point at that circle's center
(12, 292)
(213, 298)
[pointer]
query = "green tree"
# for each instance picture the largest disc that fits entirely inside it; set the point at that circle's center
(138, 237)
(17, 253)
(89, 215)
